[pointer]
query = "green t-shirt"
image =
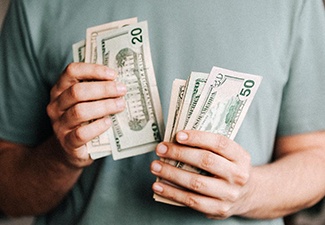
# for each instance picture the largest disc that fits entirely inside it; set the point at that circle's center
(283, 41)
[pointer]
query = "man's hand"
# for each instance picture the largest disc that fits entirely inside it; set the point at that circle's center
(219, 195)
(34, 180)
(284, 186)
(81, 101)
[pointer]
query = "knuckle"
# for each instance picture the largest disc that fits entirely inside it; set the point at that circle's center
(244, 178)
(224, 211)
(79, 135)
(76, 112)
(176, 151)
(247, 157)
(240, 177)
(233, 195)
(53, 92)
(221, 142)
(242, 173)
(191, 200)
(197, 183)
(76, 92)
(50, 111)
(70, 69)
(57, 128)
(207, 161)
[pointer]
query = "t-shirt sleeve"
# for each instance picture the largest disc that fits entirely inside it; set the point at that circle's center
(303, 105)
(23, 91)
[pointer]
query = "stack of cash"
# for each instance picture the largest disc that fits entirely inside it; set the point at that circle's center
(124, 46)
(215, 102)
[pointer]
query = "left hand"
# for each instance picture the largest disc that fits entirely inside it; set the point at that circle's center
(220, 195)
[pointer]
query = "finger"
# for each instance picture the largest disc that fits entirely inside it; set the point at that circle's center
(216, 143)
(199, 158)
(208, 186)
(90, 91)
(83, 134)
(77, 72)
(193, 200)
(86, 111)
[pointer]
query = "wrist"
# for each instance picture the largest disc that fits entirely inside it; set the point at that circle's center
(75, 159)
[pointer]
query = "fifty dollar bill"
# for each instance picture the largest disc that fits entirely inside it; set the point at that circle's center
(219, 107)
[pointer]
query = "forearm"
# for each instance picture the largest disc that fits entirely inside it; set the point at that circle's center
(291, 183)
(33, 181)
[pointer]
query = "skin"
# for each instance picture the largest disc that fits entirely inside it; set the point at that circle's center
(34, 180)
(235, 187)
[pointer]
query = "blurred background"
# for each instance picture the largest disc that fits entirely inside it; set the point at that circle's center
(28, 220)
(314, 216)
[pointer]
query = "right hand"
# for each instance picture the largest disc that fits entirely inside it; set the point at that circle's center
(81, 101)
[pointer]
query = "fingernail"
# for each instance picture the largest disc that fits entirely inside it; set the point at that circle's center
(161, 149)
(120, 103)
(156, 167)
(157, 188)
(110, 72)
(182, 136)
(121, 88)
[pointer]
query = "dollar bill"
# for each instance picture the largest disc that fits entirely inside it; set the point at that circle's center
(100, 146)
(139, 128)
(223, 105)
(176, 100)
(227, 96)
(93, 32)
(189, 100)
(185, 95)
(175, 106)
(220, 108)
(79, 50)
(194, 87)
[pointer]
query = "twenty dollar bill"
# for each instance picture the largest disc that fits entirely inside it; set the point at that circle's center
(139, 128)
